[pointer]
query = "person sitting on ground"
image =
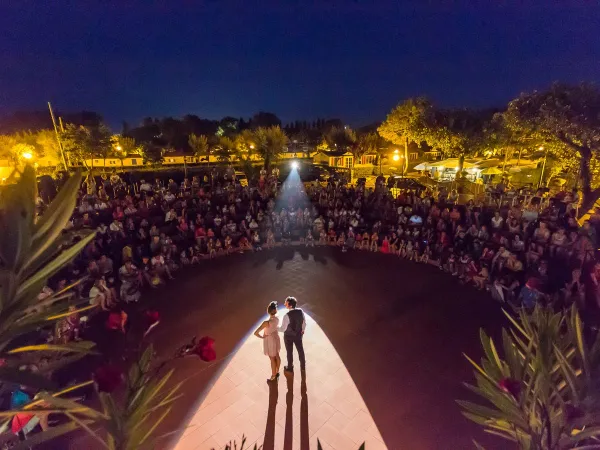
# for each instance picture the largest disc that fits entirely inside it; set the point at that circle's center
(374, 246)
(160, 267)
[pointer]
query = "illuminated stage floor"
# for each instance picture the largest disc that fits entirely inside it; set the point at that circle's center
(384, 352)
(287, 415)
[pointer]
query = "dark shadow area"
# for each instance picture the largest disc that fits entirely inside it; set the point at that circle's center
(304, 434)
(288, 437)
(283, 254)
(318, 256)
(269, 441)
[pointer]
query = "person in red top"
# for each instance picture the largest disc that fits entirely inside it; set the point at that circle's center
(118, 214)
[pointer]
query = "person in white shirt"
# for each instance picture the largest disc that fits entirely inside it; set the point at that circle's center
(145, 186)
(293, 326)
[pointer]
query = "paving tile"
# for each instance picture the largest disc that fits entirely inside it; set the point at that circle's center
(240, 402)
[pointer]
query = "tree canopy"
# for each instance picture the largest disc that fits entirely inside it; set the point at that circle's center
(270, 143)
(566, 119)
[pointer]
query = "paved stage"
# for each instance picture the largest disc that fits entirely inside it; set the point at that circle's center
(384, 347)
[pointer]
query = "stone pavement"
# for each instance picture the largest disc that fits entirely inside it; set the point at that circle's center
(290, 414)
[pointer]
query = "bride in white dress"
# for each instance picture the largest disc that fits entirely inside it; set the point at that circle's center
(271, 341)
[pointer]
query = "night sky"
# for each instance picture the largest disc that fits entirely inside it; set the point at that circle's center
(301, 60)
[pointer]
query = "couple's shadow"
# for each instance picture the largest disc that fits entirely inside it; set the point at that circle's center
(288, 439)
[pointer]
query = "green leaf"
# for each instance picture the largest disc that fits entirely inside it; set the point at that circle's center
(491, 353)
(569, 374)
(156, 424)
(87, 428)
(33, 285)
(479, 369)
(77, 347)
(53, 222)
(588, 432)
(17, 203)
(516, 324)
(70, 406)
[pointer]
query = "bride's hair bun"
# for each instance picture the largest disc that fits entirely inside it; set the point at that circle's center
(272, 308)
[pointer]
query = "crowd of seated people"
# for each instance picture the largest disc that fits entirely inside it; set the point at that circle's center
(521, 253)
(147, 231)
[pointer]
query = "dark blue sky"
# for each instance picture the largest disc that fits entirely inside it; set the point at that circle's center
(305, 59)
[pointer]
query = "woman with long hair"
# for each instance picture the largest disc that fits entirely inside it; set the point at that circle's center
(271, 341)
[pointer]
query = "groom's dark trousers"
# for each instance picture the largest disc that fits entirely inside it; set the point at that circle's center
(289, 342)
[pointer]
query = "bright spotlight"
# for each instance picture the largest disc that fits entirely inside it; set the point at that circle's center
(27, 155)
(295, 165)
(396, 157)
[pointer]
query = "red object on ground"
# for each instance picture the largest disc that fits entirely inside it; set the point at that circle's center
(117, 321)
(205, 349)
(19, 421)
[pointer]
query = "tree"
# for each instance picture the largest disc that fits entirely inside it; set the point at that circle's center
(264, 120)
(152, 152)
(199, 145)
(368, 143)
(270, 143)
(83, 143)
(454, 132)
(567, 119)
(341, 139)
(225, 149)
(407, 122)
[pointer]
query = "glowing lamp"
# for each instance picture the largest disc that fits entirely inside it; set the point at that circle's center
(396, 157)
(295, 165)
(27, 155)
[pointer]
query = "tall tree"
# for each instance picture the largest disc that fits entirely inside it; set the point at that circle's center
(225, 149)
(199, 145)
(152, 152)
(407, 122)
(270, 143)
(83, 143)
(567, 119)
(341, 139)
(368, 143)
(264, 120)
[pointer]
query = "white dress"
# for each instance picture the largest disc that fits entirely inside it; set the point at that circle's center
(271, 342)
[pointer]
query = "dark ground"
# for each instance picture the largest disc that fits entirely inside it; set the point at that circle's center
(399, 327)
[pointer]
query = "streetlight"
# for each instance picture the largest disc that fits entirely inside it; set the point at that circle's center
(396, 157)
(27, 155)
(119, 148)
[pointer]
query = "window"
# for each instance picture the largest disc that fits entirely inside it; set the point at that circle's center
(133, 161)
(348, 163)
(368, 159)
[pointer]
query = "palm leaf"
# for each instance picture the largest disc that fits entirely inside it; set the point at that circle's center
(77, 347)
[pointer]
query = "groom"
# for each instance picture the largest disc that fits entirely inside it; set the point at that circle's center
(293, 326)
